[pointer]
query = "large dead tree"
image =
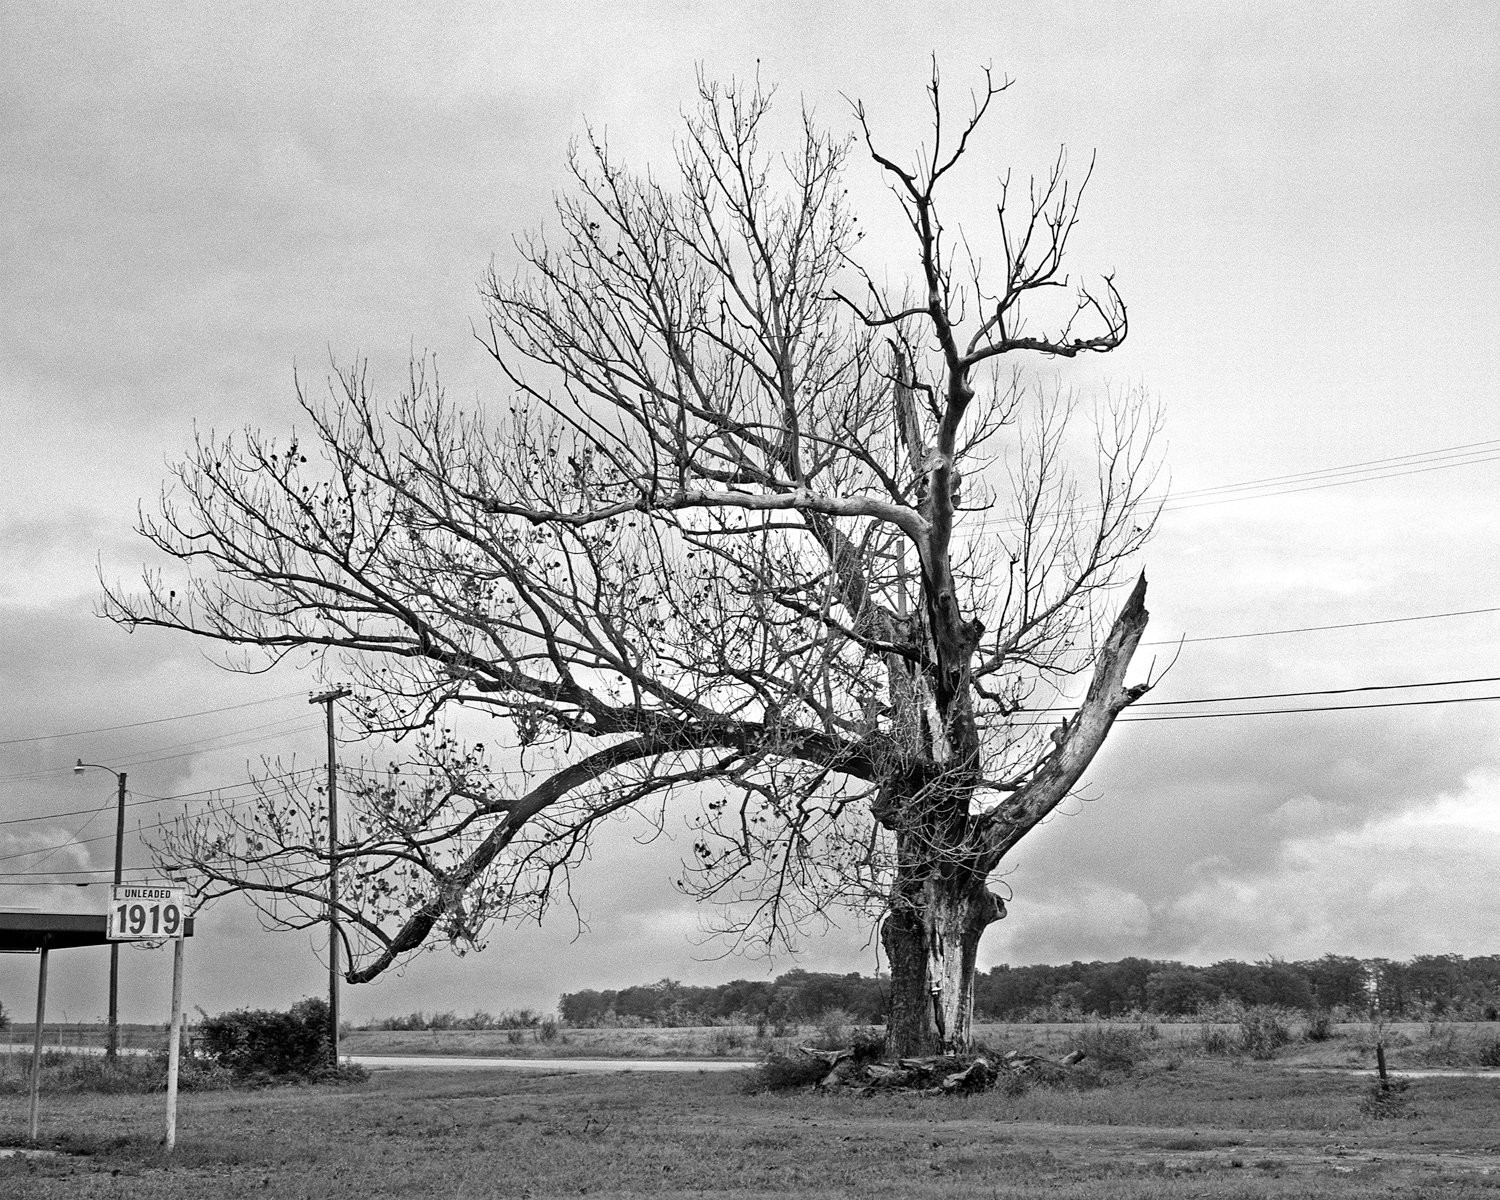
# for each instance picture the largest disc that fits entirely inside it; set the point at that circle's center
(747, 530)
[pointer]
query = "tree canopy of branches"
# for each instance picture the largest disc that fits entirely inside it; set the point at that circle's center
(749, 529)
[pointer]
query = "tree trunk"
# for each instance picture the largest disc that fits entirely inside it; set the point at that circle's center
(932, 947)
(940, 904)
(955, 918)
(908, 1021)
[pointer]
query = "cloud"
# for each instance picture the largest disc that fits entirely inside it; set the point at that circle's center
(200, 199)
(1400, 884)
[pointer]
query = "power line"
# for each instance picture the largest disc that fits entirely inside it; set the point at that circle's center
(283, 725)
(201, 746)
(148, 798)
(1172, 505)
(1343, 691)
(1228, 637)
(1270, 712)
(1466, 449)
(1261, 712)
(47, 737)
(140, 872)
(1439, 459)
(76, 841)
(1267, 712)
(215, 791)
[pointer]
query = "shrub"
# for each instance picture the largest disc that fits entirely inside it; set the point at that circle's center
(1213, 1039)
(726, 1041)
(1319, 1026)
(833, 1030)
(548, 1030)
(259, 1044)
(77, 1071)
(1386, 1100)
(1263, 1032)
(782, 1071)
(1487, 1053)
(1015, 1084)
(1441, 1048)
(1109, 1047)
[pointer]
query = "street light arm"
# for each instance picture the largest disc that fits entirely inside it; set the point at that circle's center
(78, 769)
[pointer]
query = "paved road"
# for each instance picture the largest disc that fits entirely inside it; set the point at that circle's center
(1410, 1072)
(446, 1062)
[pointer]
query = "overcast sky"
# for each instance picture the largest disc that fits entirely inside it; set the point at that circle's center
(1297, 202)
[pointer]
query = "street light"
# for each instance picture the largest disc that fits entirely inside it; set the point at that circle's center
(112, 1037)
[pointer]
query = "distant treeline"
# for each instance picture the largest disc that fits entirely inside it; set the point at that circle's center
(795, 996)
(1433, 985)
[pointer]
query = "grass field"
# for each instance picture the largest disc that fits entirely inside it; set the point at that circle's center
(1409, 1044)
(1179, 1125)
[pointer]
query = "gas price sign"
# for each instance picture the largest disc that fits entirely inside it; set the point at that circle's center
(146, 912)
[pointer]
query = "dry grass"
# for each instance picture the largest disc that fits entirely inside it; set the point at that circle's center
(1199, 1128)
(1409, 1045)
(715, 1042)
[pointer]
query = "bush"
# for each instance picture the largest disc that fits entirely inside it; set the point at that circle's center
(1487, 1053)
(784, 1070)
(258, 1044)
(1319, 1026)
(833, 1030)
(1263, 1032)
(1441, 1048)
(76, 1071)
(1109, 1047)
(1213, 1039)
(1386, 1100)
(726, 1041)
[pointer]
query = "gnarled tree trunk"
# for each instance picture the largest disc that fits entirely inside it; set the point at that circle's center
(940, 904)
(932, 952)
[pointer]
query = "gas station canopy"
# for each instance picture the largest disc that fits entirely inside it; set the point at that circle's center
(29, 932)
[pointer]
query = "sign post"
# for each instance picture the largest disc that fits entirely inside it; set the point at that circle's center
(36, 1048)
(149, 912)
(174, 1043)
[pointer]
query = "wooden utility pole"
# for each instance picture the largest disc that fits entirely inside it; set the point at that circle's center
(112, 1038)
(326, 699)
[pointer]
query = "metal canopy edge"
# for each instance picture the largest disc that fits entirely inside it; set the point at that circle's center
(29, 932)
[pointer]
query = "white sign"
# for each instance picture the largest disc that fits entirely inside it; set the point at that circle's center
(144, 912)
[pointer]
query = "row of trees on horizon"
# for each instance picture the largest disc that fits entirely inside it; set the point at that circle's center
(1427, 986)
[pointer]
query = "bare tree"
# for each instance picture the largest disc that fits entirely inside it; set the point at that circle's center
(749, 531)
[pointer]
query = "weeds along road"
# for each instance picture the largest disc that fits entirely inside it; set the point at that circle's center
(447, 1062)
(455, 1062)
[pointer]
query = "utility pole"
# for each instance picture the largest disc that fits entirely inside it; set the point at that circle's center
(326, 699)
(112, 1036)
